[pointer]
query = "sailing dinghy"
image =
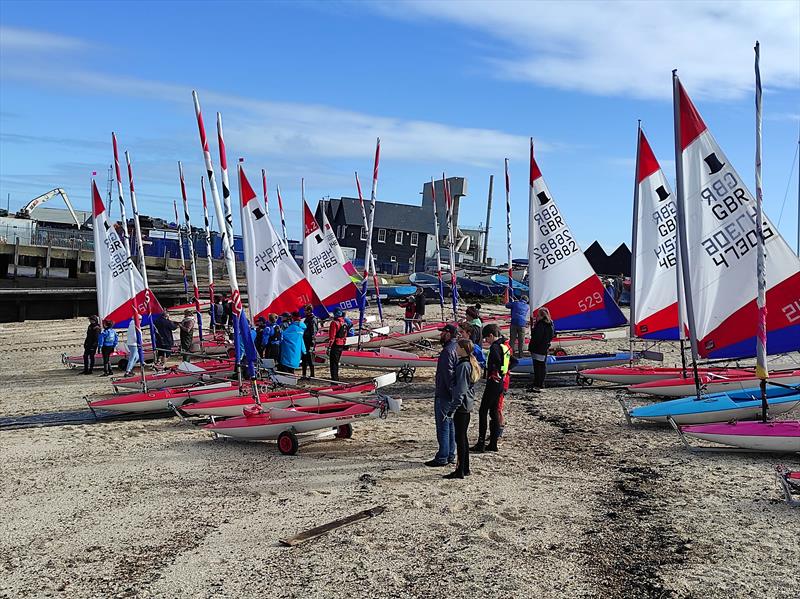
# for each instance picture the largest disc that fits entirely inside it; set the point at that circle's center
(185, 373)
(730, 379)
(777, 436)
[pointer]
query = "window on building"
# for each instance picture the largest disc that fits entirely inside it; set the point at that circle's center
(414, 238)
(381, 235)
(393, 259)
(363, 233)
(398, 237)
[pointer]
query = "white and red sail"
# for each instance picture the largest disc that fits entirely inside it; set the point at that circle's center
(327, 230)
(721, 252)
(275, 282)
(112, 262)
(322, 267)
(655, 289)
(560, 276)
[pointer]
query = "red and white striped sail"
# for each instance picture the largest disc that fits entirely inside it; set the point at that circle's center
(721, 252)
(112, 263)
(655, 289)
(274, 281)
(560, 275)
(323, 269)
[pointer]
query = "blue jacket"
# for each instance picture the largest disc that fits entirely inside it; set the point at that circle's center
(519, 313)
(292, 346)
(446, 374)
(107, 338)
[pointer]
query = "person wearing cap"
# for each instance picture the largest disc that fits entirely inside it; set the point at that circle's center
(519, 321)
(107, 340)
(90, 344)
(337, 338)
(292, 346)
(443, 396)
(186, 327)
(312, 325)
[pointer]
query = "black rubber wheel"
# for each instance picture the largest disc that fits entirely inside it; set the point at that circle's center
(288, 443)
(122, 364)
(560, 352)
(344, 432)
(404, 375)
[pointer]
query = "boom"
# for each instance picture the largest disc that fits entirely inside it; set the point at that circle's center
(25, 211)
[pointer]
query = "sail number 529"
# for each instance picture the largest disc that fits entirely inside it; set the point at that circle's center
(591, 301)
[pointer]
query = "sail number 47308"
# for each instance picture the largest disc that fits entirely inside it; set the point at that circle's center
(591, 301)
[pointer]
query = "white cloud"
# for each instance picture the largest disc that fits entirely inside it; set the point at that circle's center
(28, 40)
(630, 48)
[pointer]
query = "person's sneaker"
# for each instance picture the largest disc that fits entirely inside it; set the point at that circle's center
(477, 448)
(435, 464)
(454, 474)
(536, 390)
(491, 447)
(468, 473)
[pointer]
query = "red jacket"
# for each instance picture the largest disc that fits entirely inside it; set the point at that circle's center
(334, 335)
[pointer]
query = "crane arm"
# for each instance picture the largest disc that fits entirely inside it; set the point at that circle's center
(25, 211)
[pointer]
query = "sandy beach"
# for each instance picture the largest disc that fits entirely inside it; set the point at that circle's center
(576, 503)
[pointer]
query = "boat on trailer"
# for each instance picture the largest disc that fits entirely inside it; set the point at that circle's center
(775, 436)
(185, 373)
(635, 374)
(717, 407)
(161, 400)
(574, 363)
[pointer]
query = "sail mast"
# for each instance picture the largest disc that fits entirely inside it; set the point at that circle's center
(761, 301)
(681, 230)
(509, 288)
(635, 236)
(180, 247)
(125, 241)
(438, 249)
(188, 222)
(488, 217)
(138, 229)
(266, 196)
(283, 218)
(208, 255)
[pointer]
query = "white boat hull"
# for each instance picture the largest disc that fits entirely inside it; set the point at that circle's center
(754, 442)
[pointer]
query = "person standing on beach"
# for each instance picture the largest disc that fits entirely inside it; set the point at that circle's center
(470, 331)
(519, 321)
(309, 335)
(410, 305)
(107, 341)
(459, 409)
(292, 346)
(186, 327)
(90, 344)
(419, 308)
(132, 345)
(542, 334)
(219, 313)
(443, 395)
(337, 337)
(164, 339)
(619, 285)
(498, 366)
(274, 339)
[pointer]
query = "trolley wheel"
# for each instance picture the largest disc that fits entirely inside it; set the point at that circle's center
(344, 432)
(560, 352)
(583, 381)
(406, 374)
(231, 353)
(426, 343)
(287, 443)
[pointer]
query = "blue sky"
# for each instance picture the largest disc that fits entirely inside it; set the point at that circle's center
(305, 87)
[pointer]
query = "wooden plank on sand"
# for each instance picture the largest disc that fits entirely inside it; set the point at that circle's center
(313, 533)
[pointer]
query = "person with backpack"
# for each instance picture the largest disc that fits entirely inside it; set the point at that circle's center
(498, 368)
(292, 346)
(460, 407)
(107, 340)
(90, 344)
(542, 333)
(309, 335)
(337, 337)
(419, 308)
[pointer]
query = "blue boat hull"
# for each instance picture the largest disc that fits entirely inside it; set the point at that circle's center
(574, 363)
(719, 407)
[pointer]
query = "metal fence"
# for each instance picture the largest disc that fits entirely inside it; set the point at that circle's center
(52, 236)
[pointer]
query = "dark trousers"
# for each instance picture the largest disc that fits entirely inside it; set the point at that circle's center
(539, 373)
(489, 413)
(333, 357)
(88, 359)
(461, 423)
(107, 350)
(308, 360)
